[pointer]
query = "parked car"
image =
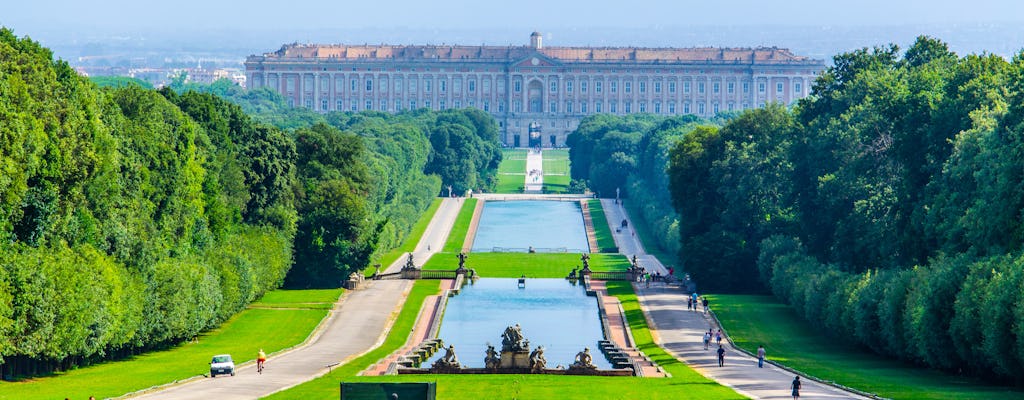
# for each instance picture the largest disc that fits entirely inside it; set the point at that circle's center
(222, 364)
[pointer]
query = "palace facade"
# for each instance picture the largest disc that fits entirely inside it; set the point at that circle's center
(538, 94)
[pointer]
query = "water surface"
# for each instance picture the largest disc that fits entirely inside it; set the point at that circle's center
(543, 225)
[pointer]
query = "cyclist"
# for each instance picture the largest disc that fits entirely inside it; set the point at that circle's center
(261, 358)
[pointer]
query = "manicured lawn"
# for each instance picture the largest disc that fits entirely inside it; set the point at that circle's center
(457, 237)
(410, 241)
(755, 320)
(271, 329)
(556, 162)
(556, 183)
(513, 161)
(510, 183)
(535, 265)
(684, 383)
(602, 231)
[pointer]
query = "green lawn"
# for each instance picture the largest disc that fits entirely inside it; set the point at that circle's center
(556, 183)
(556, 162)
(602, 231)
(241, 336)
(513, 161)
(755, 320)
(533, 265)
(457, 237)
(684, 383)
(411, 240)
(510, 183)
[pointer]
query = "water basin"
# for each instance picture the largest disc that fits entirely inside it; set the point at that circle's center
(542, 225)
(551, 312)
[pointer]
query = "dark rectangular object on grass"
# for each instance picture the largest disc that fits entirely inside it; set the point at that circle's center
(384, 391)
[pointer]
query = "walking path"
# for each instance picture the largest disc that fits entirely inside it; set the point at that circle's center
(534, 171)
(357, 324)
(680, 332)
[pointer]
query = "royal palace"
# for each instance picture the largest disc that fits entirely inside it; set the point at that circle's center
(538, 94)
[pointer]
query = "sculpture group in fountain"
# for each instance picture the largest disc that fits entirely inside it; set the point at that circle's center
(583, 361)
(448, 363)
(492, 361)
(537, 361)
(515, 349)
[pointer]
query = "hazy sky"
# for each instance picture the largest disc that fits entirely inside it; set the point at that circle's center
(28, 17)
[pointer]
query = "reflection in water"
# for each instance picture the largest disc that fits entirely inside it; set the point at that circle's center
(552, 313)
(525, 224)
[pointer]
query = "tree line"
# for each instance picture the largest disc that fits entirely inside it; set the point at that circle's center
(132, 219)
(885, 207)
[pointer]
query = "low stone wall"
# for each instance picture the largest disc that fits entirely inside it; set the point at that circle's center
(524, 371)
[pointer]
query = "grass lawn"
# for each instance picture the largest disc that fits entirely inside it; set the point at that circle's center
(457, 237)
(513, 161)
(556, 183)
(241, 336)
(602, 231)
(684, 383)
(754, 320)
(535, 265)
(556, 162)
(510, 183)
(411, 239)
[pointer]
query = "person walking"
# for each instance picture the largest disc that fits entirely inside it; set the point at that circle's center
(718, 337)
(689, 304)
(707, 339)
(760, 356)
(721, 356)
(705, 301)
(261, 358)
(796, 387)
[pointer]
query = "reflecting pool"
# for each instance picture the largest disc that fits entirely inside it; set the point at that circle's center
(543, 225)
(551, 312)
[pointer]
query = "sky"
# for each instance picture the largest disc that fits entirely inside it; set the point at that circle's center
(146, 16)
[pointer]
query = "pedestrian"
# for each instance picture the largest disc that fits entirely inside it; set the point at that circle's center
(707, 339)
(721, 356)
(706, 304)
(647, 279)
(796, 387)
(689, 303)
(718, 337)
(760, 356)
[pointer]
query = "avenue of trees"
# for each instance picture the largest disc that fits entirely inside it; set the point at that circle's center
(886, 208)
(133, 219)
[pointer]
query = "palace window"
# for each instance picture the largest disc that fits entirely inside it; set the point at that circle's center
(353, 105)
(442, 85)
(340, 106)
(686, 108)
(472, 86)
(671, 107)
(643, 106)
(760, 87)
(428, 85)
(309, 104)
(426, 104)
(778, 87)
(731, 87)
(746, 87)
(458, 103)
(517, 106)
(627, 107)
(715, 87)
(325, 84)
(412, 85)
(442, 104)
(501, 86)
(613, 107)
(657, 87)
(412, 104)
(323, 105)
(518, 86)
(398, 106)
(614, 87)
(597, 107)
(714, 108)
(700, 87)
(686, 87)
(568, 107)
(672, 87)
(732, 106)
(501, 106)
(583, 86)
(290, 84)
(597, 87)
(398, 85)
(383, 105)
(700, 108)
(553, 107)
(568, 86)
(554, 86)
(369, 105)
(657, 107)
(798, 88)
(487, 86)
(487, 105)
(746, 106)
(291, 102)
(369, 84)
(583, 107)
(642, 86)
(383, 84)
(627, 87)
(457, 85)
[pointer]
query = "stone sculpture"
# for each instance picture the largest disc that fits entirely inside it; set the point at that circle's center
(512, 339)
(537, 361)
(492, 361)
(584, 360)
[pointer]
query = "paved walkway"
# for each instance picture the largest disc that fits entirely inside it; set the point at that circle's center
(680, 332)
(534, 171)
(358, 323)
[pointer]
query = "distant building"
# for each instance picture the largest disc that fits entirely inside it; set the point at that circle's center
(538, 94)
